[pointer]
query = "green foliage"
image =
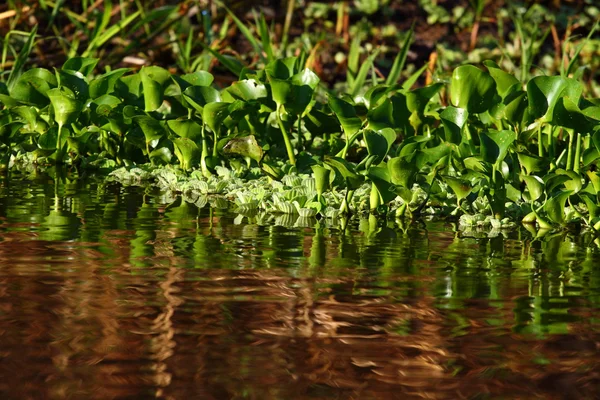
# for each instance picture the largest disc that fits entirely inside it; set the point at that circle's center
(390, 148)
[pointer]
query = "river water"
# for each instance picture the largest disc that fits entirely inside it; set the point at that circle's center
(109, 292)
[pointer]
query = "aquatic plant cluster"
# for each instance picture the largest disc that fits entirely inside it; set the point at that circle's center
(482, 144)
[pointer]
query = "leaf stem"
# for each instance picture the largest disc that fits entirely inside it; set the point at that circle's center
(286, 138)
(577, 158)
(540, 142)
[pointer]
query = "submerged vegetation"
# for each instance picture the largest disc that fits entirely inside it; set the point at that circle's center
(484, 144)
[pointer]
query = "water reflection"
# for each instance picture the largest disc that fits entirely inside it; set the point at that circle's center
(107, 292)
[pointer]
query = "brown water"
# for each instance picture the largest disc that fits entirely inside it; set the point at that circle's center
(110, 293)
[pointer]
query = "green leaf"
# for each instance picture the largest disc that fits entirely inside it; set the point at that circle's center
(151, 128)
(359, 81)
(495, 145)
(247, 89)
(555, 206)
(460, 187)
(505, 82)
(32, 87)
(245, 147)
(161, 156)
(532, 163)
(75, 82)
(543, 92)
(346, 114)
(381, 117)
(417, 99)
(346, 170)
(567, 114)
(379, 143)
(66, 108)
(214, 114)
(105, 83)
(535, 186)
(453, 120)
(153, 78)
(402, 172)
(186, 151)
(380, 176)
(472, 89)
(185, 128)
(304, 84)
(85, 65)
(321, 175)
(198, 97)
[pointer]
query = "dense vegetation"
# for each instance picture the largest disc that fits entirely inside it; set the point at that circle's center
(484, 143)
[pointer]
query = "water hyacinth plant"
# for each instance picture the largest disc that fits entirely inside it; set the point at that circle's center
(482, 143)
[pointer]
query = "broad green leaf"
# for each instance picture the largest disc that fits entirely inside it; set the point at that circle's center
(402, 172)
(185, 128)
(66, 108)
(346, 170)
(591, 203)
(505, 82)
(151, 128)
(198, 78)
(245, 147)
(495, 145)
(379, 143)
(595, 180)
(161, 156)
(417, 99)
(543, 92)
(85, 65)
(381, 117)
(186, 151)
(574, 183)
(32, 87)
(532, 163)
(555, 206)
(304, 84)
(129, 87)
(567, 114)
(247, 89)
(346, 114)
(198, 96)
(105, 83)
(515, 105)
(460, 187)
(453, 120)
(75, 82)
(535, 186)
(321, 175)
(317, 122)
(214, 114)
(153, 79)
(472, 89)
(380, 176)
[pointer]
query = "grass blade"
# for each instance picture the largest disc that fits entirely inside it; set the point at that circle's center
(579, 48)
(414, 77)
(230, 63)
(109, 33)
(400, 59)
(361, 77)
(353, 58)
(17, 69)
(247, 34)
(265, 37)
